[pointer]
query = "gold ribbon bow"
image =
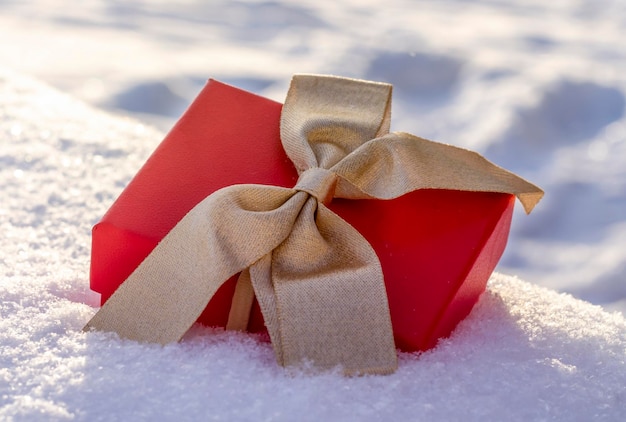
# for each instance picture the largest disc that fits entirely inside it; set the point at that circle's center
(318, 282)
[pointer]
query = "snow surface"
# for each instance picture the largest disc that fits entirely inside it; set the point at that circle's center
(536, 86)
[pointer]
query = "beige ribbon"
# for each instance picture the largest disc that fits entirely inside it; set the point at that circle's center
(318, 281)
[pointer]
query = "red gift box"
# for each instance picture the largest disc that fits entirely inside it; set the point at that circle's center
(437, 248)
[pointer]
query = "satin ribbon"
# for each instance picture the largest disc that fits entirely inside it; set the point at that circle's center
(318, 282)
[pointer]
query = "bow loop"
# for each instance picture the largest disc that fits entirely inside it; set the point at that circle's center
(222, 235)
(325, 118)
(398, 163)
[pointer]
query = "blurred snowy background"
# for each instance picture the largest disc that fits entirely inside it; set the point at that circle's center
(538, 87)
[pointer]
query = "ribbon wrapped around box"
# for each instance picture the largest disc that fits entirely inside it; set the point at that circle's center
(310, 219)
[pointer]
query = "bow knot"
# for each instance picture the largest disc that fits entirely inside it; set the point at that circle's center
(318, 281)
(319, 183)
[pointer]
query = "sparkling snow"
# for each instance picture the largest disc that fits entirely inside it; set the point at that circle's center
(536, 86)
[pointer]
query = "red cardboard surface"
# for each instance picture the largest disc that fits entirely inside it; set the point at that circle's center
(437, 248)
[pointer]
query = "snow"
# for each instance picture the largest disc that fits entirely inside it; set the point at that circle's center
(537, 87)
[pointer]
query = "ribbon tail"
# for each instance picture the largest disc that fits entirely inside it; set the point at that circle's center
(219, 237)
(326, 287)
(241, 304)
(261, 277)
(398, 163)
